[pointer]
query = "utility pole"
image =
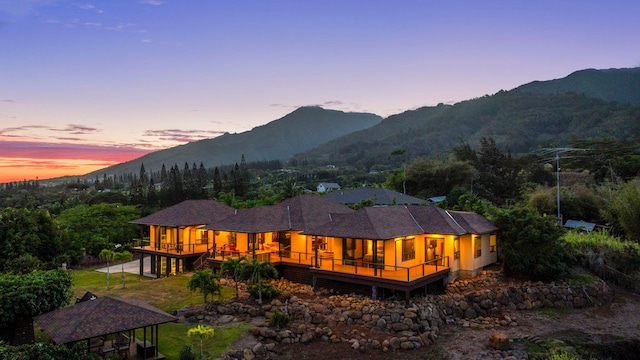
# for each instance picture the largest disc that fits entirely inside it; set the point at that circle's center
(557, 151)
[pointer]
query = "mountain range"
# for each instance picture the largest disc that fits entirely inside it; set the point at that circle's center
(587, 104)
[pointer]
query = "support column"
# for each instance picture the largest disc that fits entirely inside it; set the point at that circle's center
(374, 292)
(158, 266)
(141, 264)
(407, 296)
(315, 283)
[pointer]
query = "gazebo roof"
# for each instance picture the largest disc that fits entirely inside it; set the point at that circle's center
(98, 317)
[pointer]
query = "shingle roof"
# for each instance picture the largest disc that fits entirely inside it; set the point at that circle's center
(298, 213)
(473, 223)
(388, 222)
(98, 317)
(188, 213)
(379, 196)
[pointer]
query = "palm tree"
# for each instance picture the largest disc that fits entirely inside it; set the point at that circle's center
(256, 270)
(207, 282)
(107, 255)
(234, 267)
(123, 257)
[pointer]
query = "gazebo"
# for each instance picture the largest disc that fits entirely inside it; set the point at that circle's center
(93, 320)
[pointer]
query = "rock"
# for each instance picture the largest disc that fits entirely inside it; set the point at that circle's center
(499, 341)
(248, 354)
(307, 337)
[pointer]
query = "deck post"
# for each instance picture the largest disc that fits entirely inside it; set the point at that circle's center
(406, 298)
(315, 283)
(374, 292)
(158, 266)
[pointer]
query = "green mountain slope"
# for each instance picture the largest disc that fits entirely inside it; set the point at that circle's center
(519, 121)
(621, 85)
(303, 129)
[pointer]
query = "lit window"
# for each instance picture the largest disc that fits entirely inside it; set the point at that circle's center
(408, 249)
(477, 246)
(456, 247)
(492, 242)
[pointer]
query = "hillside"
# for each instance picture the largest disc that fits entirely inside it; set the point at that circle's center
(301, 130)
(518, 121)
(621, 85)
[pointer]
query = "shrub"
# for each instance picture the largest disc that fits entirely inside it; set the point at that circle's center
(186, 353)
(279, 319)
(269, 291)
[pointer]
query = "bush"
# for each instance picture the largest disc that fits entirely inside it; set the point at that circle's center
(269, 291)
(186, 353)
(279, 319)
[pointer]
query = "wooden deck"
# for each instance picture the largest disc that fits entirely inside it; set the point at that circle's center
(354, 268)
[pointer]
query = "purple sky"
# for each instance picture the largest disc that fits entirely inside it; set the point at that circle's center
(142, 75)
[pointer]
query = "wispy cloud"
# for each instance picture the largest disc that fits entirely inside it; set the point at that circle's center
(182, 136)
(7, 101)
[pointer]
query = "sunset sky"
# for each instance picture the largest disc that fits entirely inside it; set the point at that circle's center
(87, 84)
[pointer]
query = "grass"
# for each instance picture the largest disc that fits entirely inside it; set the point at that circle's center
(167, 294)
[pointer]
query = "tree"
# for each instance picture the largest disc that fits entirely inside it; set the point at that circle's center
(205, 281)
(530, 244)
(234, 267)
(122, 257)
(623, 209)
(107, 255)
(202, 332)
(255, 270)
(27, 295)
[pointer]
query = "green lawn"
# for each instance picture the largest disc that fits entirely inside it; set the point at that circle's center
(167, 294)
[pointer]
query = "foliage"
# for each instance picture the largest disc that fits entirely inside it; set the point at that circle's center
(279, 319)
(41, 351)
(255, 270)
(27, 295)
(623, 209)
(263, 290)
(233, 267)
(186, 353)
(107, 255)
(202, 332)
(122, 257)
(420, 174)
(25, 231)
(205, 281)
(96, 227)
(173, 336)
(24, 264)
(531, 243)
(607, 255)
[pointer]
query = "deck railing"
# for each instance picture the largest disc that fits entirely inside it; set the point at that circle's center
(146, 244)
(357, 267)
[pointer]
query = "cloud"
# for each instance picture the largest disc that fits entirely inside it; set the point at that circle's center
(146, 41)
(333, 102)
(48, 150)
(7, 101)
(151, 2)
(77, 129)
(182, 136)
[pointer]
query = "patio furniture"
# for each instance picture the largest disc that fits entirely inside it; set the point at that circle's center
(122, 343)
(107, 351)
(145, 349)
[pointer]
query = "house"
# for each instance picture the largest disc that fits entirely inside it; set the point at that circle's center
(324, 187)
(176, 237)
(379, 196)
(313, 240)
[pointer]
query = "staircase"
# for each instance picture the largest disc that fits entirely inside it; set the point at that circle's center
(201, 262)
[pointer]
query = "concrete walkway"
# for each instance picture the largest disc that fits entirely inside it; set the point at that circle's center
(132, 267)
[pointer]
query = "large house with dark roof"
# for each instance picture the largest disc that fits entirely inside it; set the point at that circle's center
(313, 240)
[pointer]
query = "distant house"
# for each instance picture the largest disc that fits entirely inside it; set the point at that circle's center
(324, 187)
(378, 196)
(580, 225)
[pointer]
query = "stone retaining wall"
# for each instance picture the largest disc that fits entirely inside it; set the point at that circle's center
(486, 301)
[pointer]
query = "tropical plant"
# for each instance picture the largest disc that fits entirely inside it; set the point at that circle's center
(205, 281)
(202, 332)
(122, 257)
(279, 319)
(255, 270)
(107, 255)
(234, 267)
(186, 353)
